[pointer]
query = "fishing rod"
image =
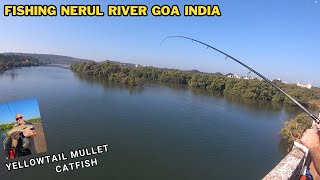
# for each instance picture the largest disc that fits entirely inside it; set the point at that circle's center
(316, 120)
(9, 109)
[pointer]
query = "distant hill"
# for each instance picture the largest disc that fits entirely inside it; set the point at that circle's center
(58, 59)
(51, 58)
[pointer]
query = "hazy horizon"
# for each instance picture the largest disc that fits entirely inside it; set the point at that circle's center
(243, 74)
(277, 38)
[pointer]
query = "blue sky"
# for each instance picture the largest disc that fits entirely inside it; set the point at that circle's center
(277, 38)
(29, 108)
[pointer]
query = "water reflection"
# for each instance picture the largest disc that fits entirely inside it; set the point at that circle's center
(63, 66)
(241, 101)
(234, 100)
(10, 73)
(206, 92)
(259, 104)
(245, 102)
(2, 134)
(284, 147)
(133, 90)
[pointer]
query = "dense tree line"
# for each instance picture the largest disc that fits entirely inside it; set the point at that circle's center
(252, 89)
(6, 126)
(9, 61)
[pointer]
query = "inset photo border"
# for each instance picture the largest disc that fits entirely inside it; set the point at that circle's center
(21, 128)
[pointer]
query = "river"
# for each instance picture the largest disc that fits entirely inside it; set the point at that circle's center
(158, 131)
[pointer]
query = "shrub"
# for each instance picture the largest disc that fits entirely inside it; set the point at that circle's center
(294, 128)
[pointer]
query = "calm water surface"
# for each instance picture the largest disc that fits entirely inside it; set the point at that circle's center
(158, 131)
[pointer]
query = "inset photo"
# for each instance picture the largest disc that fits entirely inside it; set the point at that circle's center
(21, 128)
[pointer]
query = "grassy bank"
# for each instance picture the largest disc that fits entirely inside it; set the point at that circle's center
(10, 125)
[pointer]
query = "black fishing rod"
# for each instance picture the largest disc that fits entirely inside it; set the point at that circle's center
(9, 109)
(316, 120)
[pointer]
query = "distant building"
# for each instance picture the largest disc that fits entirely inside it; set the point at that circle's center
(247, 77)
(239, 77)
(309, 86)
(233, 76)
(230, 76)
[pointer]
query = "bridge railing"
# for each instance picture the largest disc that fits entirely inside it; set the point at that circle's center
(290, 166)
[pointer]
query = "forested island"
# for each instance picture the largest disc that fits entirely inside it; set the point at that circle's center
(10, 61)
(248, 88)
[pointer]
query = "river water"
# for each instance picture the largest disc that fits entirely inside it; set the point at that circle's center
(158, 131)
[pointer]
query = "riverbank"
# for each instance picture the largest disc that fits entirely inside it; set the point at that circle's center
(254, 89)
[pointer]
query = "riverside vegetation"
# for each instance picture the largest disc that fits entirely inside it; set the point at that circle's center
(252, 89)
(293, 128)
(10, 61)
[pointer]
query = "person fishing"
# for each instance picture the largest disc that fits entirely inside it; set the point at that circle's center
(19, 141)
(26, 132)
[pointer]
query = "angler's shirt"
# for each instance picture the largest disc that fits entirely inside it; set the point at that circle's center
(31, 145)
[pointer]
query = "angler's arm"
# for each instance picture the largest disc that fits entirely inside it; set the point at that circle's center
(315, 155)
(311, 140)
